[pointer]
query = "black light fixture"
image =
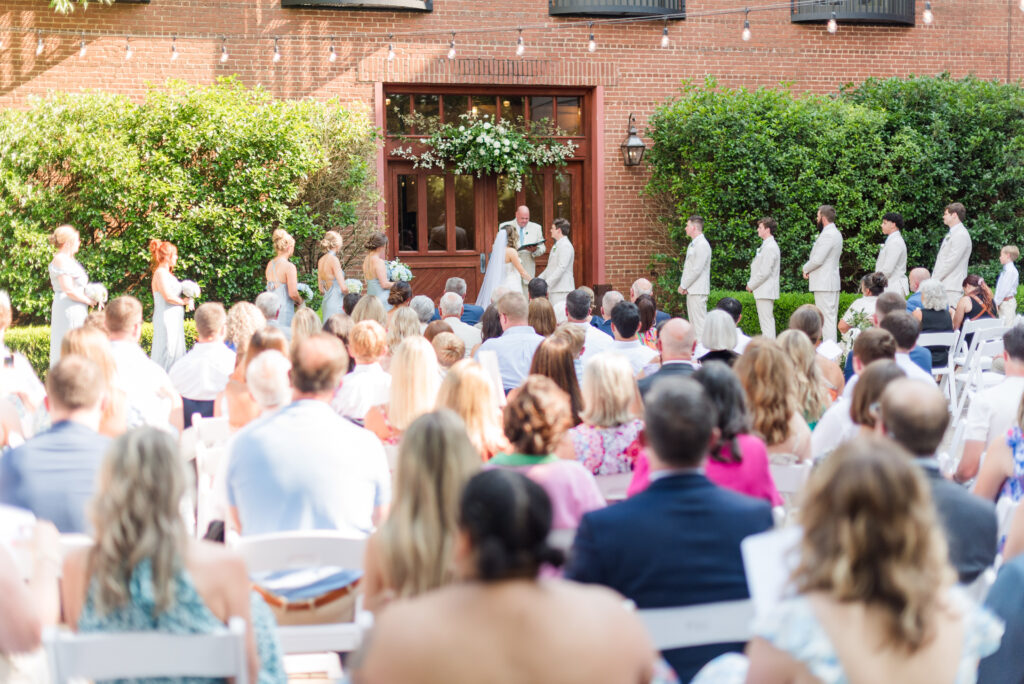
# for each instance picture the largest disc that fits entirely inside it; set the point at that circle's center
(632, 147)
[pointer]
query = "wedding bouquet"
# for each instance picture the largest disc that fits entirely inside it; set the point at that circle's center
(305, 291)
(97, 292)
(399, 271)
(190, 289)
(353, 285)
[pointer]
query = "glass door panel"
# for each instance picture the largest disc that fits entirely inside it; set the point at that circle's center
(465, 212)
(436, 215)
(408, 212)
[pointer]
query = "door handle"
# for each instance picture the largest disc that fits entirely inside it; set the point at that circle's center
(483, 262)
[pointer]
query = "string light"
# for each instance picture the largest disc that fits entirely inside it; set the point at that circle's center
(223, 50)
(833, 25)
(746, 35)
(592, 44)
(664, 36)
(277, 52)
(520, 46)
(391, 47)
(332, 55)
(174, 48)
(928, 17)
(39, 44)
(81, 47)
(451, 47)
(128, 52)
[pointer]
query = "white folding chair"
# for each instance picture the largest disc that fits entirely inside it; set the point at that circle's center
(722, 622)
(790, 480)
(562, 539)
(613, 487)
(943, 374)
(129, 655)
(987, 343)
(968, 327)
(211, 447)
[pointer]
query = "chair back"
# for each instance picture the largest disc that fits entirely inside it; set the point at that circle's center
(722, 622)
(302, 549)
(791, 478)
(130, 655)
(613, 487)
(211, 431)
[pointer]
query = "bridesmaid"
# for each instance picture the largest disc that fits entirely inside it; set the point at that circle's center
(282, 278)
(375, 269)
(330, 277)
(168, 306)
(68, 279)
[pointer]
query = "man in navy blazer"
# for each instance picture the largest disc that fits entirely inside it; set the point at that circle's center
(677, 543)
(676, 342)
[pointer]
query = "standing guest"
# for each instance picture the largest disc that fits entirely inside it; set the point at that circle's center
(648, 548)
(368, 384)
(892, 257)
(810, 385)
(554, 359)
(822, 269)
(529, 241)
(424, 308)
(871, 286)
(977, 303)
(370, 309)
(243, 319)
(808, 319)
(449, 350)
(608, 302)
(68, 279)
(501, 613)
(917, 276)
(203, 373)
(904, 329)
(471, 313)
(330, 278)
(642, 286)
(375, 269)
(719, 338)
(647, 333)
(435, 328)
(305, 323)
(559, 272)
(764, 275)
(577, 310)
(269, 305)
(53, 474)
(412, 552)
(467, 391)
(541, 316)
(517, 343)
(399, 297)
(236, 402)
(92, 344)
(452, 310)
(144, 573)
(536, 419)
(282, 277)
(954, 253)
(625, 320)
(695, 282)
(415, 379)
(537, 289)
(934, 316)
(767, 375)
(1006, 286)
(168, 306)
(676, 343)
(349, 301)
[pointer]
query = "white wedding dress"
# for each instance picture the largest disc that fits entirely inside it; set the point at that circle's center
(500, 273)
(513, 281)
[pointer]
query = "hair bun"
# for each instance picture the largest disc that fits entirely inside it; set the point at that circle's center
(154, 246)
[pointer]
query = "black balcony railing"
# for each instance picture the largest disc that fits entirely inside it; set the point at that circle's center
(393, 5)
(860, 11)
(620, 8)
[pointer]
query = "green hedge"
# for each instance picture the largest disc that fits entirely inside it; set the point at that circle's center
(34, 342)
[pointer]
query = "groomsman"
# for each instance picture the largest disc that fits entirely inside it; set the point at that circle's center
(558, 275)
(954, 254)
(892, 258)
(531, 240)
(764, 275)
(695, 282)
(822, 269)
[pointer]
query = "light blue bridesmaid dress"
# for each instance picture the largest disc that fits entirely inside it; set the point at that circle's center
(284, 318)
(333, 298)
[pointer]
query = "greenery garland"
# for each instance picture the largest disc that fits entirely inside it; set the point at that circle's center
(68, 6)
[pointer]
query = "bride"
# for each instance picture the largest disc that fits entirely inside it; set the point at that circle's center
(504, 269)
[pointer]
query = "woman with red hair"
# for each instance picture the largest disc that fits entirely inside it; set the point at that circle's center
(168, 305)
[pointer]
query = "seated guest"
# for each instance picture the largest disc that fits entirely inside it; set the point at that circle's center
(145, 573)
(541, 316)
(423, 307)
(399, 298)
(811, 387)
(517, 343)
(676, 343)
(92, 343)
(1002, 471)
(871, 607)
(1006, 600)
(887, 303)
(916, 277)
(490, 323)
(243, 319)
(642, 286)
(718, 338)
(236, 403)
(767, 376)
(604, 321)
(370, 308)
(871, 383)
(537, 288)
(306, 468)
(554, 359)
(676, 543)
(500, 613)
(977, 303)
(577, 312)
(859, 313)
(452, 309)
(809, 320)
(904, 329)
(16, 373)
(266, 376)
(625, 321)
(915, 416)
(536, 418)
(434, 463)
(305, 323)
(731, 306)
(31, 601)
(403, 325)
(435, 328)
(934, 316)
(576, 337)
(349, 301)
(471, 313)
(203, 372)
(467, 391)
(340, 325)
(415, 379)
(269, 305)
(449, 350)
(647, 333)
(368, 384)
(54, 473)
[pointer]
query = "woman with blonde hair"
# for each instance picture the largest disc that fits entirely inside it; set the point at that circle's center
(94, 345)
(282, 277)
(767, 376)
(243, 320)
(330, 277)
(467, 390)
(168, 306)
(375, 270)
(144, 573)
(415, 379)
(68, 279)
(370, 309)
(403, 325)
(236, 403)
(411, 553)
(809, 320)
(806, 375)
(305, 323)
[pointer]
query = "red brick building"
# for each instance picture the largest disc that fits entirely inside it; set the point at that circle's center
(441, 223)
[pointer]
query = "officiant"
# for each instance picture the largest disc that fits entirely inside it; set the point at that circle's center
(531, 240)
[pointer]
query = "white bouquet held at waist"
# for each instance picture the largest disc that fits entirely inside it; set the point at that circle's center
(190, 289)
(305, 291)
(399, 271)
(353, 285)
(97, 292)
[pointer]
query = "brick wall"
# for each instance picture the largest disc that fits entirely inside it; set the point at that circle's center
(968, 37)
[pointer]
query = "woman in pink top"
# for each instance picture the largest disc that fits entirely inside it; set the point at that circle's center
(536, 418)
(739, 461)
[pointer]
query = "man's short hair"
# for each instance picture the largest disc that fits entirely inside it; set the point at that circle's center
(641, 286)
(423, 306)
(266, 376)
(958, 209)
(450, 304)
(6, 312)
(210, 319)
(731, 306)
(626, 318)
(771, 224)
(122, 314)
(562, 225)
(349, 301)
(895, 218)
(75, 383)
(828, 213)
(577, 304)
(449, 348)
(874, 344)
(915, 415)
(678, 420)
(538, 287)
(456, 285)
(1013, 342)
(904, 328)
(887, 303)
(269, 304)
(318, 362)
(514, 306)
(1009, 250)
(609, 300)
(697, 220)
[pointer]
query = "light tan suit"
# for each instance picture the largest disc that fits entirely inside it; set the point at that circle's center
(696, 280)
(822, 271)
(892, 262)
(951, 262)
(764, 283)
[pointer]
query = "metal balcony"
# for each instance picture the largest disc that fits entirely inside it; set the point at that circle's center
(616, 8)
(856, 11)
(393, 5)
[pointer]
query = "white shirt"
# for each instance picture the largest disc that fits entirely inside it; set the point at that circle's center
(469, 335)
(994, 410)
(594, 343)
(149, 391)
(913, 371)
(636, 353)
(368, 385)
(203, 373)
(1007, 284)
(836, 426)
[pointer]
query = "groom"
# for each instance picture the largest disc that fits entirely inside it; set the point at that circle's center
(531, 240)
(558, 275)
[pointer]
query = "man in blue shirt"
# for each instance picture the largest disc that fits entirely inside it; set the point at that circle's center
(886, 303)
(54, 473)
(642, 286)
(471, 313)
(517, 343)
(604, 321)
(917, 276)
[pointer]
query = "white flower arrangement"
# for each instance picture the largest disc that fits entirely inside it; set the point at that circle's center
(353, 285)
(399, 271)
(190, 289)
(305, 291)
(97, 292)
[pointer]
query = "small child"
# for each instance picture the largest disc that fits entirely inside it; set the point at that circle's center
(1006, 286)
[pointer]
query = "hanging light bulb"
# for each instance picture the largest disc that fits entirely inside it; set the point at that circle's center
(451, 47)
(81, 47)
(928, 17)
(520, 45)
(174, 48)
(746, 35)
(128, 52)
(277, 52)
(223, 50)
(833, 25)
(332, 55)
(591, 44)
(391, 47)
(664, 36)
(39, 44)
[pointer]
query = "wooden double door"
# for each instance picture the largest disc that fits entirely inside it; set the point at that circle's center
(444, 225)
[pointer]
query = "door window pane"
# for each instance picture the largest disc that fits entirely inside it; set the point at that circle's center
(506, 200)
(408, 206)
(436, 219)
(563, 198)
(485, 105)
(513, 107)
(570, 115)
(454, 105)
(465, 212)
(541, 108)
(428, 106)
(396, 104)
